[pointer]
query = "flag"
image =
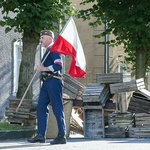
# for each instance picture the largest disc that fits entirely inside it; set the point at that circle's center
(68, 43)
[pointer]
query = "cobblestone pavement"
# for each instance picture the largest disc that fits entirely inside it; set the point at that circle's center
(79, 144)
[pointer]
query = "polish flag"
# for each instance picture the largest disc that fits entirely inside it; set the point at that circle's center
(68, 43)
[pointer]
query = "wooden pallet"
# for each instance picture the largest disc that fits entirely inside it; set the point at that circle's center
(115, 132)
(142, 120)
(127, 86)
(118, 124)
(72, 87)
(113, 78)
(94, 122)
(23, 116)
(120, 120)
(139, 103)
(145, 93)
(139, 132)
(96, 93)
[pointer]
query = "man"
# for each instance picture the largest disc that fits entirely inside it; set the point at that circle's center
(50, 92)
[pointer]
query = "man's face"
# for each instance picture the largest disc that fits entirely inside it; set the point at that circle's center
(45, 40)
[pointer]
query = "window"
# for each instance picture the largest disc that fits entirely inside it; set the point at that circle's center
(122, 68)
(17, 57)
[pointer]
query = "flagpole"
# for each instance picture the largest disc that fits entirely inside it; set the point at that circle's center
(30, 84)
(65, 25)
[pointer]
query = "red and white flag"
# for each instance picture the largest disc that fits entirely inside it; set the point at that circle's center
(68, 43)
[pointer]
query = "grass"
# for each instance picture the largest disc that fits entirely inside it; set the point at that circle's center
(7, 126)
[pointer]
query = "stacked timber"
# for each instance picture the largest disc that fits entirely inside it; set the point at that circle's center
(94, 99)
(142, 126)
(121, 123)
(139, 106)
(119, 84)
(23, 116)
(121, 89)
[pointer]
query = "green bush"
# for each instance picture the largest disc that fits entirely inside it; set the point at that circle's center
(7, 126)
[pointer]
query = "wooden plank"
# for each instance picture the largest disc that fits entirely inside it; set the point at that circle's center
(123, 102)
(104, 95)
(70, 94)
(92, 92)
(68, 79)
(93, 107)
(142, 120)
(16, 99)
(127, 86)
(139, 132)
(145, 93)
(18, 115)
(72, 87)
(109, 78)
(120, 119)
(135, 109)
(16, 103)
(70, 90)
(142, 123)
(76, 102)
(120, 115)
(113, 78)
(13, 106)
(91, 99)
(141, 115)
(25, 122)
(19, 110)
(139, 105)
(115, 132)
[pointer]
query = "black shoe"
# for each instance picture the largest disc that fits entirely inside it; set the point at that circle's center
(60, 139)
(38, 138)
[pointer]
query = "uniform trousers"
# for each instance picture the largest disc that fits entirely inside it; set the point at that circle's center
(51, 93)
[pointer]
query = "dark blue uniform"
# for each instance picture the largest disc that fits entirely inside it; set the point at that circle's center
(51, 93)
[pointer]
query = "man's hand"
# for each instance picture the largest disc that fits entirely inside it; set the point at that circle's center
(40, 68)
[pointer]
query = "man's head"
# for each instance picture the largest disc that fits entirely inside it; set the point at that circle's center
(47, 32)
(46, 37)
